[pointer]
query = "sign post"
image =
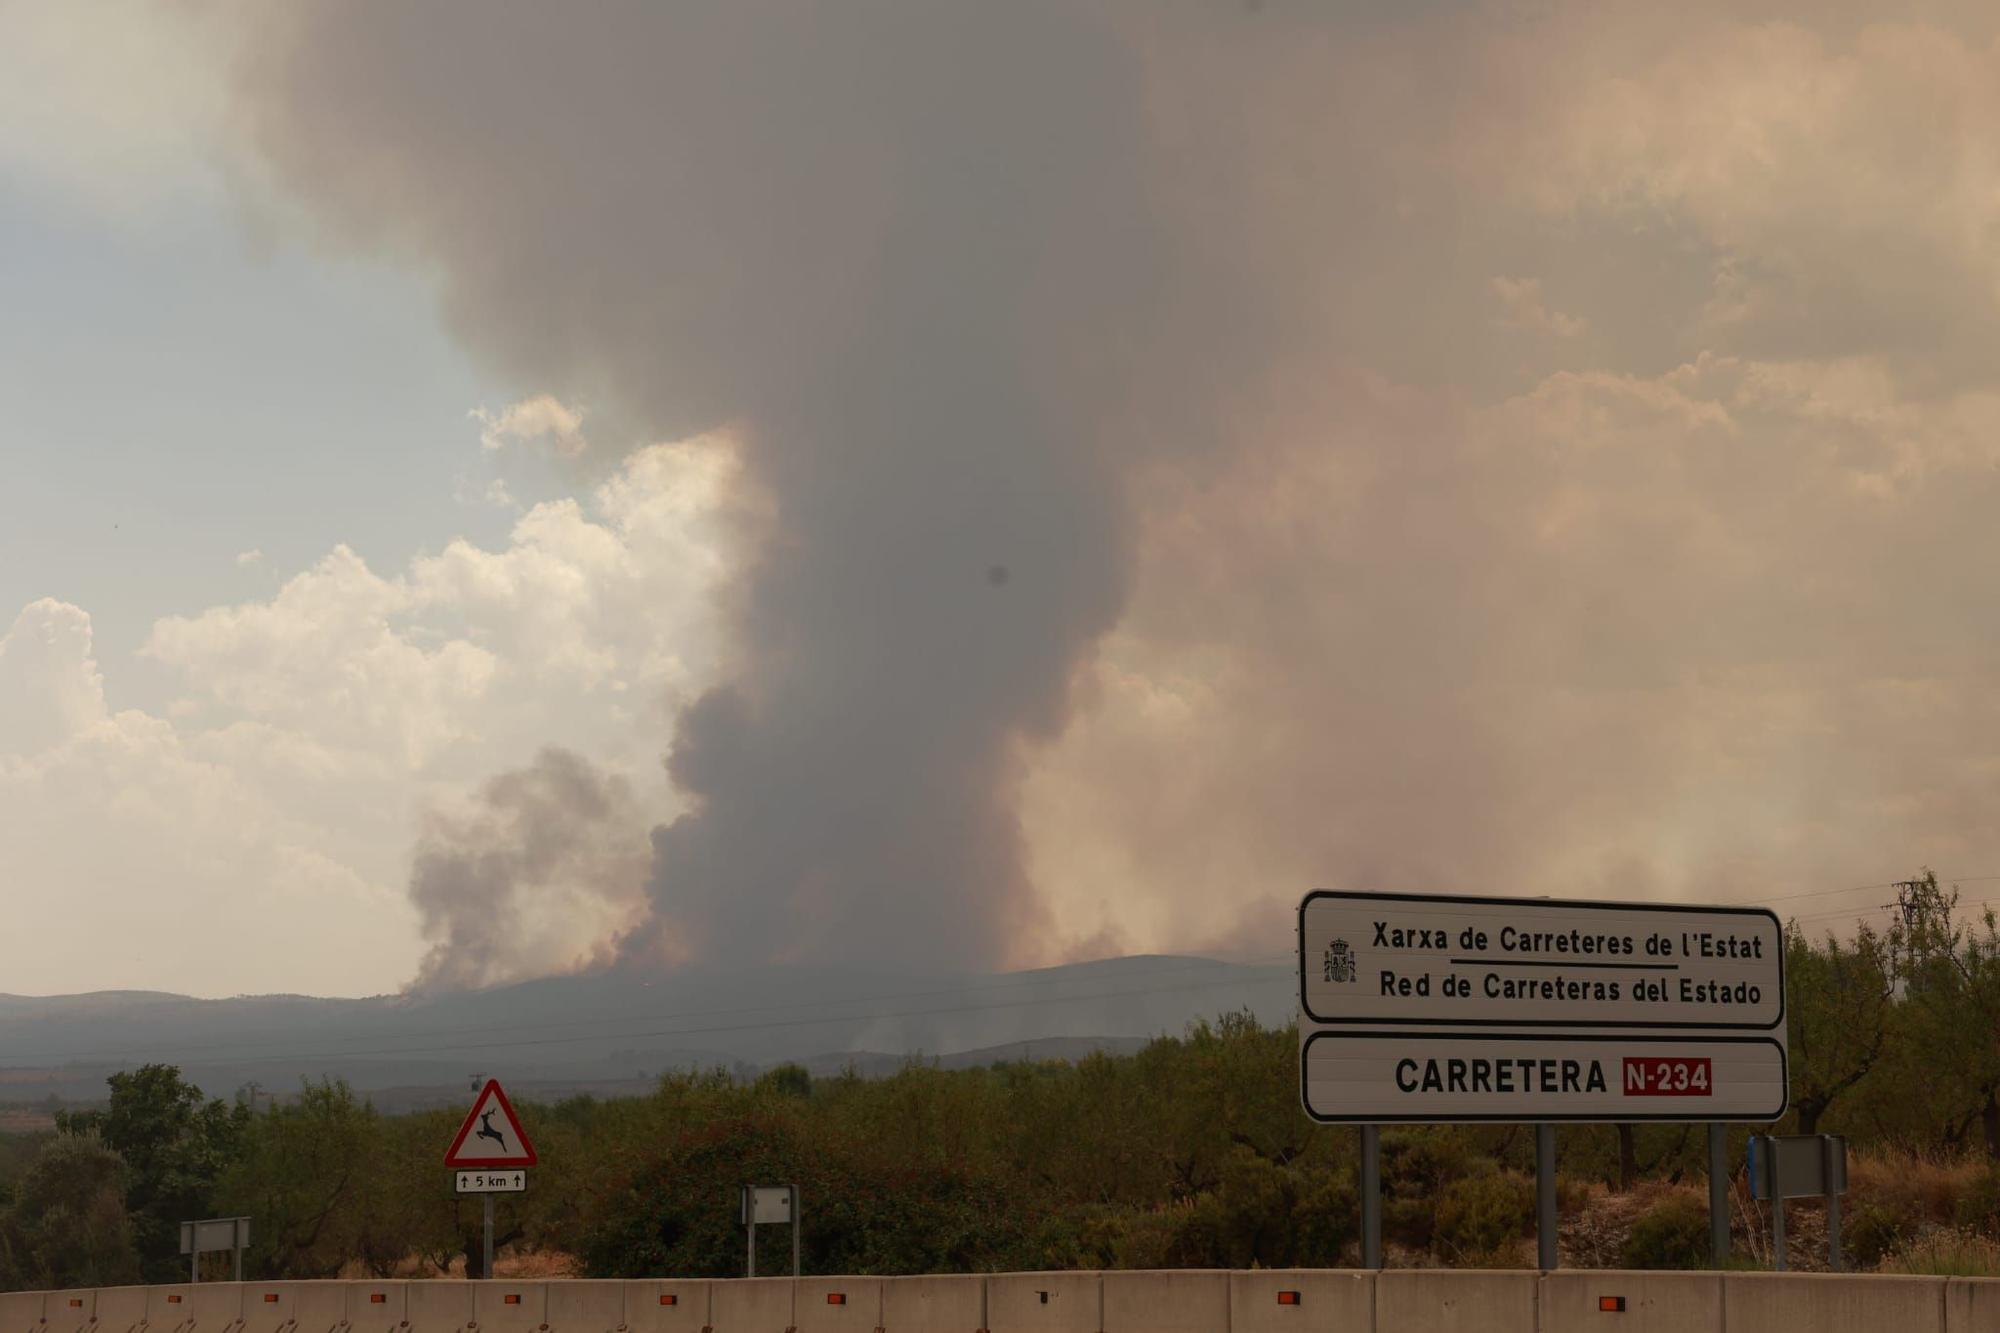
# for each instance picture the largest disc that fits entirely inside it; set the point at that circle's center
(215, 1233)
(771, 1203)
(1418, 1009)
(1793, 1166)
(490, 1153)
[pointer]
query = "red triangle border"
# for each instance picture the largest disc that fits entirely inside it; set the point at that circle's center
(526, 1157)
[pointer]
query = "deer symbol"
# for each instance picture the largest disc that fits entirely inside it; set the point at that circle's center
(486, 1131)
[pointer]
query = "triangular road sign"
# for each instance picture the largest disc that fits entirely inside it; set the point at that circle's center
(491, 1134)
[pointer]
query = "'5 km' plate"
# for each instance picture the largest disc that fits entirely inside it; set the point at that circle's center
(492, 1182)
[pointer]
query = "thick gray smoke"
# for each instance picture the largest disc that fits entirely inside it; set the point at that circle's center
(908, 251)
(1481, 447)
(539, 847)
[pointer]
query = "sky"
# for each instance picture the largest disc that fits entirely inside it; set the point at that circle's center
(487, 492)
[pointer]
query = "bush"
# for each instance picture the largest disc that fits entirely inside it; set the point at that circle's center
(1872, 1231)
(1480, 1215)
(1673, 1233)
(1978, 1208)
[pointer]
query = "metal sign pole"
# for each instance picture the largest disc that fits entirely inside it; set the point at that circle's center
(753, 1245)
(1718, 1195)
(1545, 1196)
(1828, 1174)
(1371, 1196)
(486, 1268)
(796, 1221)
(1778, 1232)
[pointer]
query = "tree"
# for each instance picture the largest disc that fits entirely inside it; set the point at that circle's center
(308, 1172)
(67, 1225)
(1841, 996)
(175, 1143)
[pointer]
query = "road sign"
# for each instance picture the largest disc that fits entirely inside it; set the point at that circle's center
(491, 1135)
(1404, 960)
(214, 1233)
(1383, 1077)
(492, 1182)
(767, 1203)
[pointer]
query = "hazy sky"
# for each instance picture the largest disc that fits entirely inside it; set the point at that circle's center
(1047, 480)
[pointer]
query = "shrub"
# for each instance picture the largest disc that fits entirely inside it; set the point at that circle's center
(1673, 1233)
(1872, 1231)
(1480, 1215)
(1978, 1208)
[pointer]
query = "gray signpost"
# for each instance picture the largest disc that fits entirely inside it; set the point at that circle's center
(210, 1235)
(1797, 1166)
(771, 1204)
(1418, 1009)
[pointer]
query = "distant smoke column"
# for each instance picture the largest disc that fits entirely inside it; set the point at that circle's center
(906, 250)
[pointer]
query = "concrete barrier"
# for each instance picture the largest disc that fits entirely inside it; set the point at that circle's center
(317, 1307)
(294, 1307)
(1832, 1303)
(1045, 1303)
(21, 1311)
(667, 1306)
(504, 1306)
(438, 1307)
(1461, 1301)
(1294, 1300)
(378, 1307)
(1615, 1301)
(751, 1305)
(837, 1304)
(1187, 1300)
(933, 1304)
(585, 1306)
(207, 1307)
(68, 1311)
(1971, 1304)
(119, 1309)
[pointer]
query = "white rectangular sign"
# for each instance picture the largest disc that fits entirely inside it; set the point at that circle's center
(767, 1203)
(1382, 1077)
(492, 1182)
(1405, 960)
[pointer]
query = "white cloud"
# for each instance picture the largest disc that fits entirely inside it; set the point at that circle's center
(540, 418)
(248, 559)
(280, 794)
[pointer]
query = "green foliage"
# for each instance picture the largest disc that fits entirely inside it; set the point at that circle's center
(1978, 1208)
(1871, 1231)
(1673, 1233)
(175, 1144)
(1480, 1216)
(66, 1225)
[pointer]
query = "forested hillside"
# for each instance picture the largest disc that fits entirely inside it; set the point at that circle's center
(1192, 1151)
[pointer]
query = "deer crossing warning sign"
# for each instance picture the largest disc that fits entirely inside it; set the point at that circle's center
(491, 1135)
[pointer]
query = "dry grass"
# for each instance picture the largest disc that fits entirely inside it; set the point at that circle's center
(1947, 1251)
(1923, 1187)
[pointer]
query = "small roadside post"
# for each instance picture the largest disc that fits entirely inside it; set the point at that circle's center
(1718, 1194)
(1371, 1196)
(211, 1234)
(1796, 1166)
(490, 1155)
(771, 1204)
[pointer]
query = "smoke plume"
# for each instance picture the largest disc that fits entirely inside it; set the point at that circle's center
(1193, 452)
